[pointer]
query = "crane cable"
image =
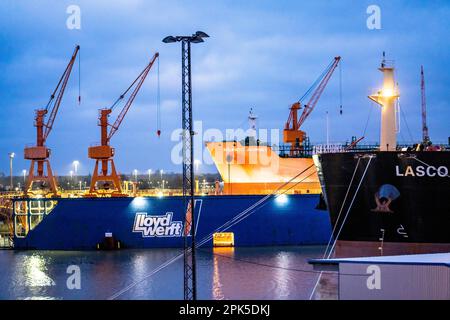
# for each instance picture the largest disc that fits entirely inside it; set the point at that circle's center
(343, 221)
(158, 104)
(128, 89)
(340, 87)
(316, 82)
(79, 76)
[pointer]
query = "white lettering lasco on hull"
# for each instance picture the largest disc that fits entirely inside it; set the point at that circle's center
(157, 226)
(422, 171)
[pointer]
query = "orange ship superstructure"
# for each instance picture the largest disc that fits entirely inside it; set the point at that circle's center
(256, 169)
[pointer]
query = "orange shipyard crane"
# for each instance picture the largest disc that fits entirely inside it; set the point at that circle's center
(425, 135)
(104, 153)
(40, 153)
(292, 133)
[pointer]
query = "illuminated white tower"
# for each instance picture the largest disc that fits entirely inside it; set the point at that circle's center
(252, 124)
(387, 99)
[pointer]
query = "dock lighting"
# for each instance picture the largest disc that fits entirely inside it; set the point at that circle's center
(195, 38)
(76, 163)
(387, 92)
(24, 173)
(135, 172)
(11, 158)
(197, 164)
(149, 171)
(282, 199)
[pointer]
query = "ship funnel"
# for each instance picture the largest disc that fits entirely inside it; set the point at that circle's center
(387, 99)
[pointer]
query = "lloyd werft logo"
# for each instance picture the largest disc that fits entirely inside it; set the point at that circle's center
(157, 226)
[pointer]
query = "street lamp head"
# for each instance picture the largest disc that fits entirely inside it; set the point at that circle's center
(169, 39)
(201, 34)
(12, 155)
(196, 39)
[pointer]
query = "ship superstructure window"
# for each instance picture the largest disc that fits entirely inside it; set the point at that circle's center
(28, 214)
(50, 205)
(37, 207)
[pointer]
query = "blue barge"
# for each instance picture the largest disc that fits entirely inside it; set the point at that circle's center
(152, 222)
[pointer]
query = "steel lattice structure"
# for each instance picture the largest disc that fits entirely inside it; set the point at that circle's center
(190, 292)
(190, 277)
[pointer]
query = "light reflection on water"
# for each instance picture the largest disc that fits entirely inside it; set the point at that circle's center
(222, 273)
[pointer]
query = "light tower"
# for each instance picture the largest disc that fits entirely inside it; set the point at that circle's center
(387, 99)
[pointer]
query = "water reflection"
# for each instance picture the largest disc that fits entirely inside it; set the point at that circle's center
(223, 273)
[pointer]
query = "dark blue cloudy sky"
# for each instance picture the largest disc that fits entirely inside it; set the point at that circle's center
(261, 54)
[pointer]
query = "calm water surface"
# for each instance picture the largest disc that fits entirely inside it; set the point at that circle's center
(239, 273)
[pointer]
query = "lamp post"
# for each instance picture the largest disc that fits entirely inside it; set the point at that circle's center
(190, 290)
(11, 158)
(24, 173)
(149, 171)
(135, 172)
(75, 166)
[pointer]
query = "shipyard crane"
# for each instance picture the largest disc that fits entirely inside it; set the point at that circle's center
(425, 136)
(40, 153)
(104, 153)
(292, 133)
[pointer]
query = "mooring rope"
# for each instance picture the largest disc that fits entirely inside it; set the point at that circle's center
(342, 207)
(342, 225)
(236, 219)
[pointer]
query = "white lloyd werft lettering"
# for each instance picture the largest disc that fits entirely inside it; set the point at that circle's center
(157, 226)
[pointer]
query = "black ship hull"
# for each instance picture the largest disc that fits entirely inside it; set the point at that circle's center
(387, 202)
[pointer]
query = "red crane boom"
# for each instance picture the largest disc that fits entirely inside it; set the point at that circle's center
(104, 153)
(292, 133)
(40, 153)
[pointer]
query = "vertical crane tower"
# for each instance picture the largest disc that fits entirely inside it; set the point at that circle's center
(103, 154)
(40, 169)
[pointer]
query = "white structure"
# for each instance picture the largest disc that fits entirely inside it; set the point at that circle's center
(387, 99)
(406, 277)
(252, 124)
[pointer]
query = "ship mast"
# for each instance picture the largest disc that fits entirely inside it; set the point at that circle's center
(387, 99)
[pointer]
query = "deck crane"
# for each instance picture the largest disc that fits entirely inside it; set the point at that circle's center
(40, 153)
(104, 153)
(425, 136)
(292, 133)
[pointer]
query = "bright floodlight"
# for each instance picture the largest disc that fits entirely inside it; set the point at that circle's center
(201, 34)
(196, 39)
(169, 39)
(12, 155)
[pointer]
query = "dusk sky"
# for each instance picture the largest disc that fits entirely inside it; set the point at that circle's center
(261, 54)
